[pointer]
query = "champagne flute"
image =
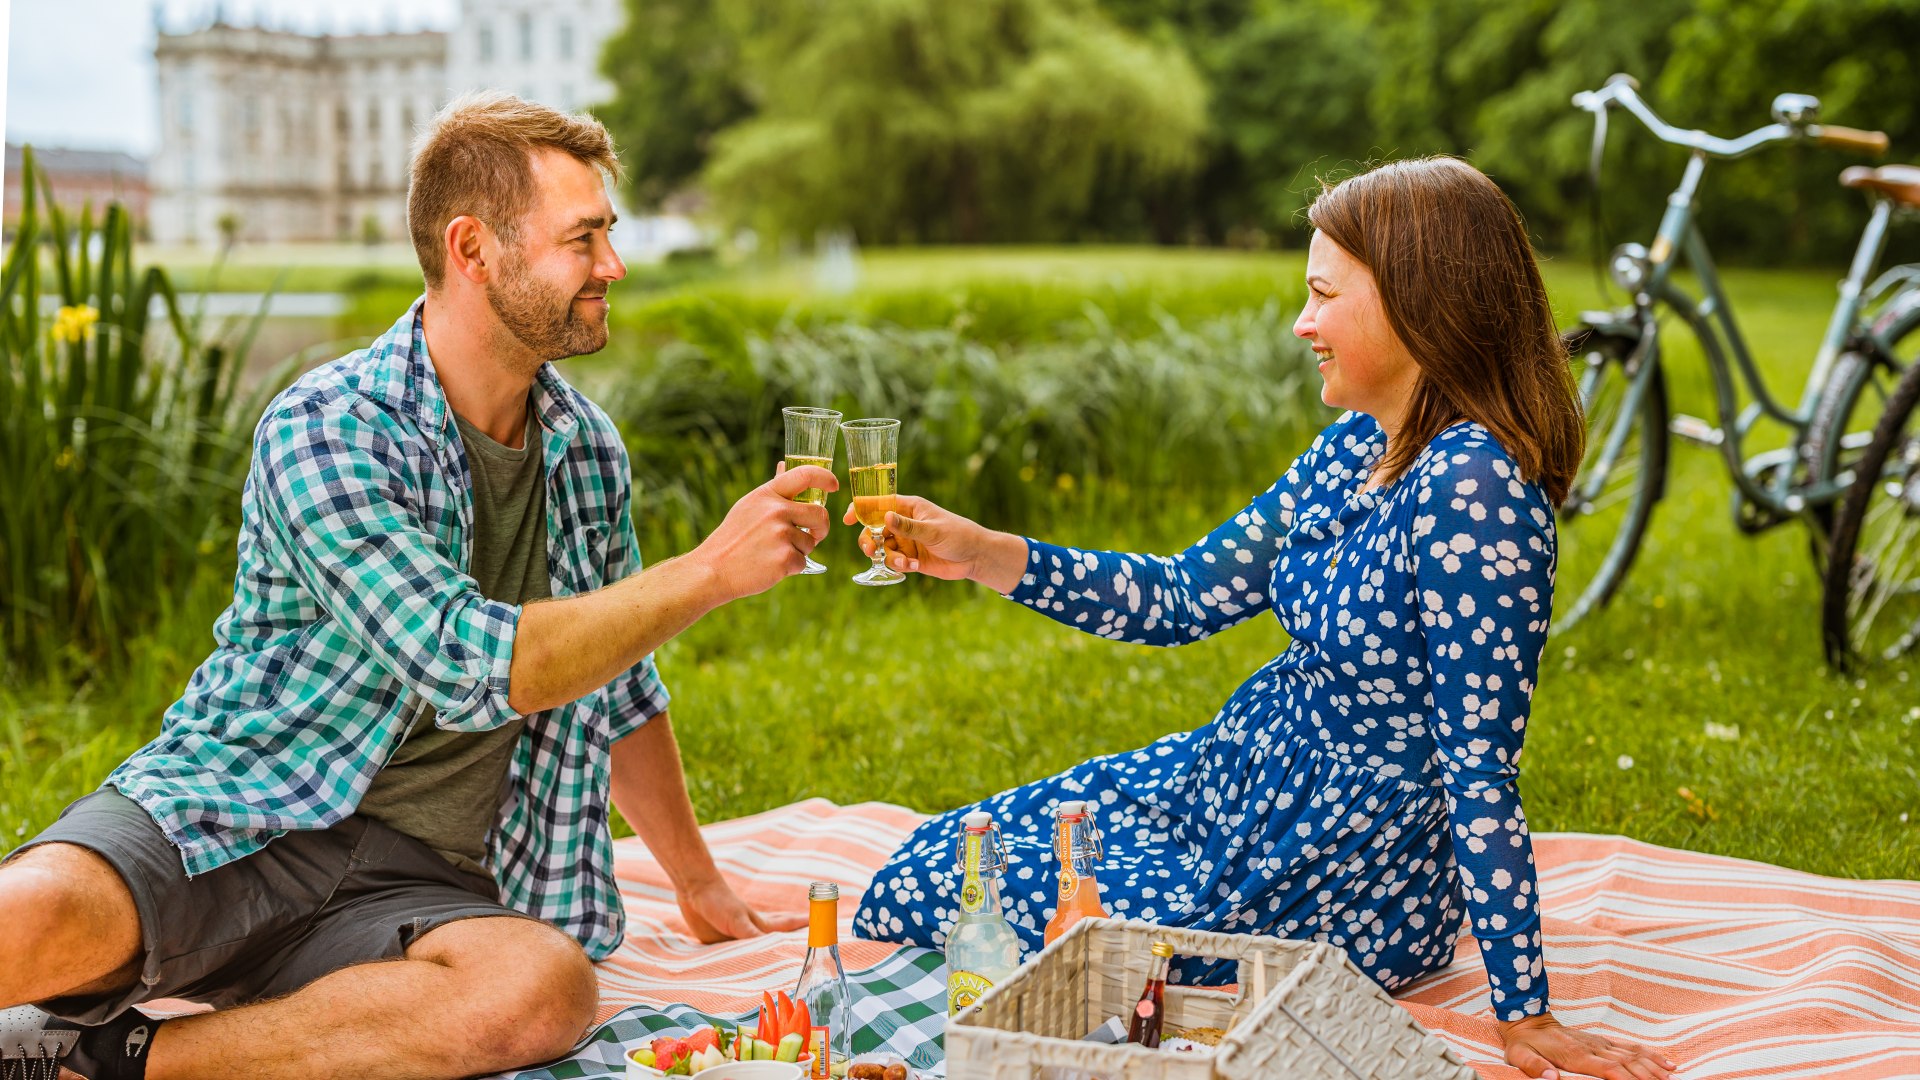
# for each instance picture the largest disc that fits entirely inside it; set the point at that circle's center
(873, 463)
(810, 437)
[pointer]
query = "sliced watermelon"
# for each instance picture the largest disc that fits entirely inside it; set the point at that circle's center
(666, 1051)
(702, 1039)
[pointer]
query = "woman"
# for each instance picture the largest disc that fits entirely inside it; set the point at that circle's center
(1359, 788)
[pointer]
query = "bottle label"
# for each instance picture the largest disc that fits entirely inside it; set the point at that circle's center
(823, 923)
(963, 989)
(822, 1054)
(1063, 847)
(973, 893)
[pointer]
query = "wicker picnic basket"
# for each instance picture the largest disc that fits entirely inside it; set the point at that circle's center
(1321, 1020)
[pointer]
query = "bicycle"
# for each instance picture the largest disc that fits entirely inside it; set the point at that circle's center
(1858, 385)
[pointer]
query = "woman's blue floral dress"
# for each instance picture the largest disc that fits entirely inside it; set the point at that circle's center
(1359, 789)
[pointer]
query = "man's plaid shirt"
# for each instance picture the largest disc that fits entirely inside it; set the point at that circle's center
(352, 604)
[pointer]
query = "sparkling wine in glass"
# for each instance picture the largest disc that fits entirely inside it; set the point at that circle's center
(810, 437)
(873, 471)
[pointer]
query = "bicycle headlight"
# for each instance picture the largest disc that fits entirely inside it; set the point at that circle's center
(1628, 267)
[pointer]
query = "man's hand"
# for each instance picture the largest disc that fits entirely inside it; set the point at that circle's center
(716, 913)
(1541, 1046)
(761, 541)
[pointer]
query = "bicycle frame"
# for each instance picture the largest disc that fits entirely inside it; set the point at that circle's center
(1725, 348)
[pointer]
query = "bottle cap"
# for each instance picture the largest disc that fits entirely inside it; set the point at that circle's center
(1162, 949)
(1070, 808)
(979, 819)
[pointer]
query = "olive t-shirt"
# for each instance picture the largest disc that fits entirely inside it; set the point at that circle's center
(445, 787)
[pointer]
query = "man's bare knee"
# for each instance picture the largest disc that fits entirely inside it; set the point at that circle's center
(530, 992)
(67, 925)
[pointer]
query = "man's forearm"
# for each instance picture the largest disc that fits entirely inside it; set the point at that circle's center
(650, 791)
(567, 648)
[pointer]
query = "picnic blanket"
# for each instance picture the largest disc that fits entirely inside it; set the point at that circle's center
(1735, 968)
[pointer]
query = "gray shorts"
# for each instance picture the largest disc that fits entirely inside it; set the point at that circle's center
(307, 904)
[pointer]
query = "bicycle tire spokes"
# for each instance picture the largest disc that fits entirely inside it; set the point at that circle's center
(1605, 513)
(1883, 602)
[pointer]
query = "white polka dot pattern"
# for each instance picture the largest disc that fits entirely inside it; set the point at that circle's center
(1359, 788)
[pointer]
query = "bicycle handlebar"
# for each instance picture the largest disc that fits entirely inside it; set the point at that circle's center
(1623, 90)
(1871, 143)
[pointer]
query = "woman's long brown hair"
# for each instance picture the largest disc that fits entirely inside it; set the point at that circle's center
(1457, 277)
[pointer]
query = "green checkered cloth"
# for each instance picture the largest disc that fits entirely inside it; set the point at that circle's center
(899, 1007)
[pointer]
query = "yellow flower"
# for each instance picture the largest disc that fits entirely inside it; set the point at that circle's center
(75, 323)
(67, 459)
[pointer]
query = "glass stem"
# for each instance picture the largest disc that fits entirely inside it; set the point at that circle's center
(879, 549)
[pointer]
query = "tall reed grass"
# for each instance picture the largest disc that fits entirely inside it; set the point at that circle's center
(124, 439)
(1095, 423)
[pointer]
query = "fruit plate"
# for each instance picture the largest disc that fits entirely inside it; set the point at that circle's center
(731, 1070)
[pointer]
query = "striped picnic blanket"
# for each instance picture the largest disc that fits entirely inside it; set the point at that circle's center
(1735, 968)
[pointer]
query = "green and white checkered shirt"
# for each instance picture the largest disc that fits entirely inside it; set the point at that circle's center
(352, 604)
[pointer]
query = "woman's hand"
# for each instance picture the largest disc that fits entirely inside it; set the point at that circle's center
(1542, 1046)
(922, 538)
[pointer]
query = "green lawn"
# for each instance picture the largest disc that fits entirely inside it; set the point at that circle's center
(1705, 675)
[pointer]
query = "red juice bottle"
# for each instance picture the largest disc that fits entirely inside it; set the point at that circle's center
(1150, 1014)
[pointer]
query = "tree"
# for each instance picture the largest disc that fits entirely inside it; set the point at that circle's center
(925, 120)
(678, 79)
(1857, 56)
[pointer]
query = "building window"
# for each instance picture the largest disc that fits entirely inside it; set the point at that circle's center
(566, 40)
(486, 43)
(526, 35)
(341, 121)
(186, 111)
(373, 117)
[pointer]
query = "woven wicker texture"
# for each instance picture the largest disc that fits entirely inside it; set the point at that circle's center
(1301, 1011)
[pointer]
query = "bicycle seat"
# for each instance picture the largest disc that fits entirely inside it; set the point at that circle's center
(1901, 183)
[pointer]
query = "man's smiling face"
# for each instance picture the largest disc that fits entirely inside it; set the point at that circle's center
(551, 289)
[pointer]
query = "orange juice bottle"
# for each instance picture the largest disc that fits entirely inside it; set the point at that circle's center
(1076, 842)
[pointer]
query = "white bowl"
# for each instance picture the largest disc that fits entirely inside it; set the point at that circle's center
(732, 1070)
(754, 1070)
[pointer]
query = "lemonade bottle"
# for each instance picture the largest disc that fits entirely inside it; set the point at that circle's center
(982, 948)
(823, 984)
(1076, 842)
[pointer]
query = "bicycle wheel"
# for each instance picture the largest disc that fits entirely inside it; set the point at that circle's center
(1851, 403)
(1871, 599)
(1606, 511)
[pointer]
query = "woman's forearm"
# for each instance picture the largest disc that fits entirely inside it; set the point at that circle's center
(1002, 562)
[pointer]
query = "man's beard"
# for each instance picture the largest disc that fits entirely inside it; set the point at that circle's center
(547, 325)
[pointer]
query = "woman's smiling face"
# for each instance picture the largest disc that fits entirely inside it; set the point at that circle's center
(1363, 364)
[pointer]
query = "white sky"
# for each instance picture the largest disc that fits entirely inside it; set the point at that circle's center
(80, 74)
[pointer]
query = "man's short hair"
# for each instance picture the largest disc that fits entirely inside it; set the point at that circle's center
(476, 158)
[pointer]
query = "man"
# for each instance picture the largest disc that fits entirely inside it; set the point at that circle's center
(373, 831)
